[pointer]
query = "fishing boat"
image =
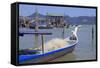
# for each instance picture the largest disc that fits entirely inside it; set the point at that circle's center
(39, 57)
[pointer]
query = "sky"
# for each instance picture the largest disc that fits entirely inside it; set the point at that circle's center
(26, 10)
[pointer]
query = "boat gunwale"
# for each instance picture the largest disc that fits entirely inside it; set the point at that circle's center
(45, 54)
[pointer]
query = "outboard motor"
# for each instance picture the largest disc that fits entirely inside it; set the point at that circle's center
(73, 37)
(74, 34)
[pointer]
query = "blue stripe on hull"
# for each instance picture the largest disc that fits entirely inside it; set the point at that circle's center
(44, 57)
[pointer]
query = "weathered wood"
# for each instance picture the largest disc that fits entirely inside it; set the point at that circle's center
(40, 27)
(42, 38)
(36, 39)
(39, 33)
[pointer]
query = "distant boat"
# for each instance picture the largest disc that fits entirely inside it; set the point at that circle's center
(48, 56)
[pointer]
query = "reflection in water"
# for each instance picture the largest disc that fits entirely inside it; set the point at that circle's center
(68, 57)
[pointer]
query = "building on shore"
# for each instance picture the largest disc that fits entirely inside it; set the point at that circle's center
(55, 20)
(48, 20)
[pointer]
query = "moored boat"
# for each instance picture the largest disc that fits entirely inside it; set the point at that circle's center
(39, 57)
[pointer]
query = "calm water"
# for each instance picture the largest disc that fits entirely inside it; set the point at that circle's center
(85, 49)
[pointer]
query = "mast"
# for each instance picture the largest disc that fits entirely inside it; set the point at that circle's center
(63, 26)
(36, 26)
(36, 30)
(36, 20)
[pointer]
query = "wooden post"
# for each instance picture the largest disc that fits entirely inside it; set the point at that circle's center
(36, 40)
(63, 31)
(92, 35)
(42, 43)
(36, 27)
(24, 21)
(92, 32)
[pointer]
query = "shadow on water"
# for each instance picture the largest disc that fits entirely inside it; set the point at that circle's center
(68, 57)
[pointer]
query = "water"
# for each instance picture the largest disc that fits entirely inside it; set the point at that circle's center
(84, 50)
(86, 47)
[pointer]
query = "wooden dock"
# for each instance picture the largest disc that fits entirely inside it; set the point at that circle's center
(37, 33)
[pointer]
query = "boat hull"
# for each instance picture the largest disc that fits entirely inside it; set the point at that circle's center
(46, 57)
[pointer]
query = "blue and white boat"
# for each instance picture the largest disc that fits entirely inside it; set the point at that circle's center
(51, 55)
